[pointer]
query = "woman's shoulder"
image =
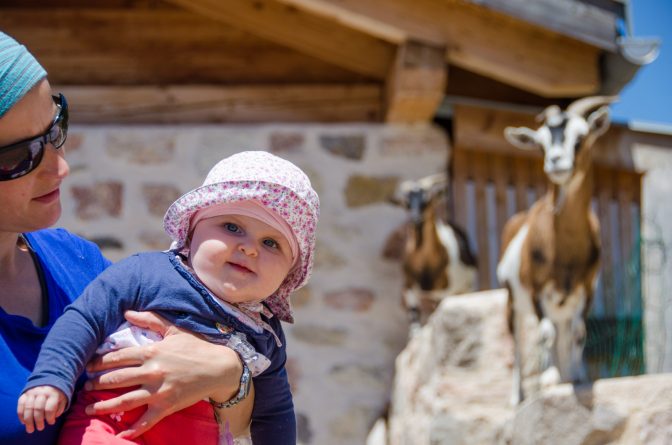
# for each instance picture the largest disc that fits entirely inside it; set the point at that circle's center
(61, 246)
(59, 238)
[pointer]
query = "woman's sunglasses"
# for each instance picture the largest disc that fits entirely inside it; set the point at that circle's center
(21, 158)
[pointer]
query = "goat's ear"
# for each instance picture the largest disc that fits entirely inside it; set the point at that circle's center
(598, 121)
(396, 199)
(521, 137)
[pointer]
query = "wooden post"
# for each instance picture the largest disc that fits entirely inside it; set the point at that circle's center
(416, 83)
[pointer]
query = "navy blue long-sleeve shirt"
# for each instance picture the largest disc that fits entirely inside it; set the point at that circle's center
(158, 282)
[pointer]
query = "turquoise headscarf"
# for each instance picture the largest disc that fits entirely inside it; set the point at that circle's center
(19, 72)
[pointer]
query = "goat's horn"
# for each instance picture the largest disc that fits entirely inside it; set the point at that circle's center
(431, 181)
(548, 111)
(581, 107)
(405, 186)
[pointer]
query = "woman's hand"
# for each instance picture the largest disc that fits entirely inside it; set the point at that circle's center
(172, 374)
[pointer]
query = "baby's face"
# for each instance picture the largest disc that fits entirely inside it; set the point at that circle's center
(239, 258)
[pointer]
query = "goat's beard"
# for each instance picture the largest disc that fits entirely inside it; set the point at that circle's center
(560, 177)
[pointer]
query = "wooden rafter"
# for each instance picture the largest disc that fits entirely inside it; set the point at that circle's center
(576, 18)
(240, 104)
(311, 34)
(417, 83)
(167, 46)
(478, 39)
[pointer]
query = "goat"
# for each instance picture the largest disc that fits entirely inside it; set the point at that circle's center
(551, 253)
(436, 259)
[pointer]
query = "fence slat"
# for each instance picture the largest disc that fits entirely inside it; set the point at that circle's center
(605, 194)
(459, 187)
(539, 178)
(480, 177)
(500, 170)
(522, 182)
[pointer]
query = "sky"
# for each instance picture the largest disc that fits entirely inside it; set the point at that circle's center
(648, 97)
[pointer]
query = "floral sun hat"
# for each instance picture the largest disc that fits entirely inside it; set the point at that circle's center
(273, 182)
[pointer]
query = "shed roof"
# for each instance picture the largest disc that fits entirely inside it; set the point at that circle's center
(317, 60)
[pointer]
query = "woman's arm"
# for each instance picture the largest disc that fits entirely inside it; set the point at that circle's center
(172, 374)
(239, 415)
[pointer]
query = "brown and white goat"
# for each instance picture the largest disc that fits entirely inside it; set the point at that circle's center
(550, 254)
(437, 260)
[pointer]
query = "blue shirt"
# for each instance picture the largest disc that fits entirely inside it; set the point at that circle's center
(68, 264)
(157, 281)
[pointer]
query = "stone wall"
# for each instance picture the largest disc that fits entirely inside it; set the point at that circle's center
(349, 326)
(654, 159)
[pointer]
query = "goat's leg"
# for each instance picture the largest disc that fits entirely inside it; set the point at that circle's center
(517, 389)
(517, 394)
(578, 367)
(412, 305)
(514, 328)
(549, 373)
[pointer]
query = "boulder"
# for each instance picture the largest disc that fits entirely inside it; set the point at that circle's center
(453, 383)
(453, 380)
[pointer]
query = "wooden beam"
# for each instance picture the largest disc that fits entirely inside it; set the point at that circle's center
(479, 39)
(199, 104)
(310, 34)
(467, 84)
(416, 84)
(574, 18)
(168, 46)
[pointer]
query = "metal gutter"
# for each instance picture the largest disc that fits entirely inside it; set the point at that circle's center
(619, 68)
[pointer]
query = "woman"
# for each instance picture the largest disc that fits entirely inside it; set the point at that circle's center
(42, 270)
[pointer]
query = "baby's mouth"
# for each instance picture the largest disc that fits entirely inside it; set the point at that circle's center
(239, 267)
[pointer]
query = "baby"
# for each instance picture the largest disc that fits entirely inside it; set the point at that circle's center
(242, 242)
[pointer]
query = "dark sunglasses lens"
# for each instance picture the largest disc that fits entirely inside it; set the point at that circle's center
(59, 131)
(20, 160)
(58, 134)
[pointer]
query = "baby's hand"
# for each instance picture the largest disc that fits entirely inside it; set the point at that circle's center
(39, 404)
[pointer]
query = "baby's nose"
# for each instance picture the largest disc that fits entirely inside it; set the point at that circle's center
(248, 248)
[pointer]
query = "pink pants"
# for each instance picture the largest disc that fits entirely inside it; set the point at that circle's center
(195, 424)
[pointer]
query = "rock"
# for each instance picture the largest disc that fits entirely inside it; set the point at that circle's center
(453, 379)
(618, 411)
(453, 382)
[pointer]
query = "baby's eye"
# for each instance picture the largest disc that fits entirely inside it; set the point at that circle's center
(270, 242)
(231, 227)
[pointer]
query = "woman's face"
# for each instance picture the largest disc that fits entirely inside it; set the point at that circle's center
(32, 202)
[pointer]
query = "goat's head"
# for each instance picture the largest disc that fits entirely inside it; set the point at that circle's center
(418, 196)
(565, 137)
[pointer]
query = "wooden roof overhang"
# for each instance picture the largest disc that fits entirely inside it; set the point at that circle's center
(157, 61)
